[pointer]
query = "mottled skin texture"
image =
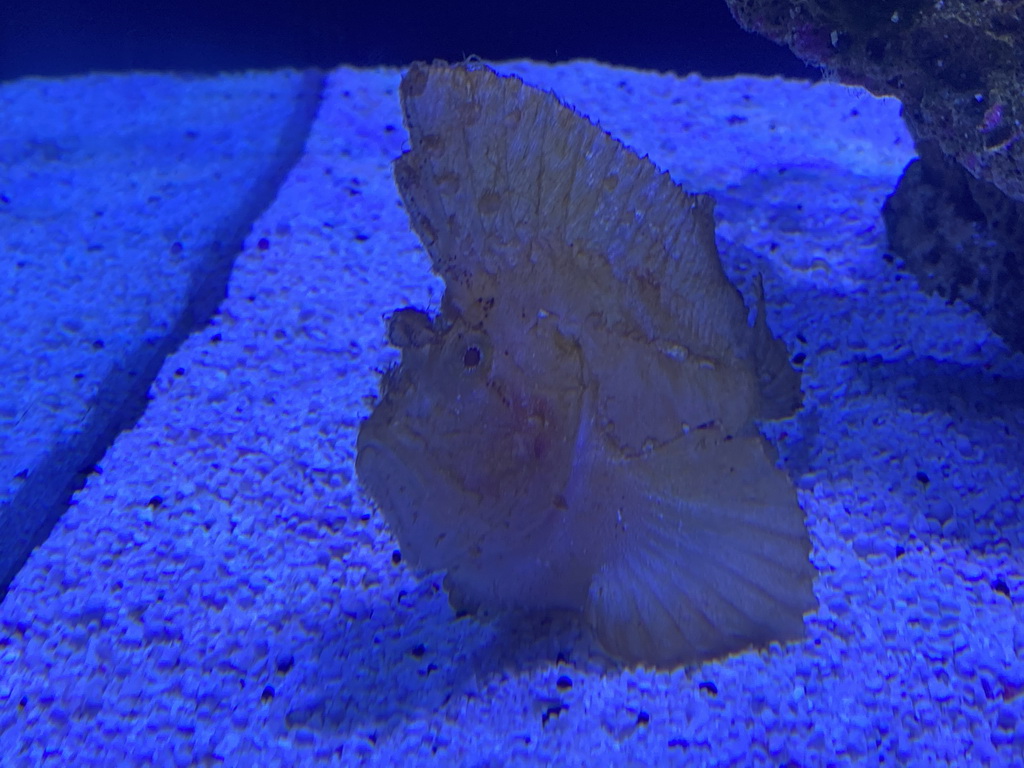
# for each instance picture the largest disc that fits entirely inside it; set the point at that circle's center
(575, 429)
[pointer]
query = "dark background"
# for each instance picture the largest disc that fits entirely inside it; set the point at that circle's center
(61, 37)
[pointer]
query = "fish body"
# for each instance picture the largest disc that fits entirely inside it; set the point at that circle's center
(575, 429)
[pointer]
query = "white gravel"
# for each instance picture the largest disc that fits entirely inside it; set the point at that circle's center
(221, 593)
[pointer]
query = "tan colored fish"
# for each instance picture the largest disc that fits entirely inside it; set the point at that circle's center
(575, 428)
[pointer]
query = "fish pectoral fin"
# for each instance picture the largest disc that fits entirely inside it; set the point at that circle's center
(693, 578)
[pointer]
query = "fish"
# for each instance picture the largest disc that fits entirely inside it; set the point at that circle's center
(575, 428)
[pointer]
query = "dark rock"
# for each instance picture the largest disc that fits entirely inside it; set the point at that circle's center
(955, 65)
(962, 238)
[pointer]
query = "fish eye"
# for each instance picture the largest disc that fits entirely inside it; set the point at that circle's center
(471, 357)
(468, 352)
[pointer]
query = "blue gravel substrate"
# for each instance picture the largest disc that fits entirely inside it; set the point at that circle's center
(222, 593)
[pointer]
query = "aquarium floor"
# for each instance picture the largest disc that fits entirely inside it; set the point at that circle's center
(221, 592)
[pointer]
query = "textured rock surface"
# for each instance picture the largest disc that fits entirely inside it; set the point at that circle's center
(958, 68)
(962, 238)
(956, 65)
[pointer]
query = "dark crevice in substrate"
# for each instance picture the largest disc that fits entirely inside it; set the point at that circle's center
(47, 489)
